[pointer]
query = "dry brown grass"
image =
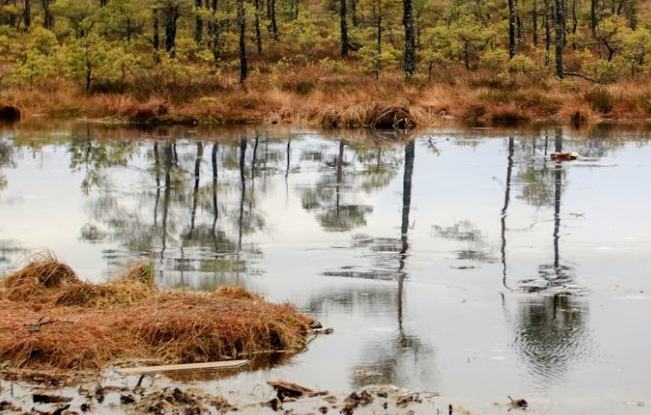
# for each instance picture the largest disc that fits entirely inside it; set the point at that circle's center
(50, 319)
(334, 94)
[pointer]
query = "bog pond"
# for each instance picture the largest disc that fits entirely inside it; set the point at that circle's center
(463, 262)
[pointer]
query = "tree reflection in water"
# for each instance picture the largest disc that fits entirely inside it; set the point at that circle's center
(550, 326)
(7, 247)
(405, 355)
(551, 335)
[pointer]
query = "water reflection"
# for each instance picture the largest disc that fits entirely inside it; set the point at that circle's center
(544, 186)
(345, 227)
(551, 336)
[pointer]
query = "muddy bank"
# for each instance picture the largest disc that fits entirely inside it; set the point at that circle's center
(162, 395)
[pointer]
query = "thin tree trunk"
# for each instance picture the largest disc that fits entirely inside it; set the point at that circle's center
(511, 28)
(198, 24)
(241, 21)
(213, 29)
(559, 26)
(256, 23)
(171, 17)
(156, 38)
(27, 13)
(534, 18)
(410, 38)
(48, 18)
(271, 15)
(344, 28)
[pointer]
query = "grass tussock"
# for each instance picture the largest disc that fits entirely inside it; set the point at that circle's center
(50, 319)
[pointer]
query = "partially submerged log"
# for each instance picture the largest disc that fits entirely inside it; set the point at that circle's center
(222, 365)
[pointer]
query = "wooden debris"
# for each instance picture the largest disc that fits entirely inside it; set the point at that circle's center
(564, 156)
(223, 365)
(518, 403)
(292, 390)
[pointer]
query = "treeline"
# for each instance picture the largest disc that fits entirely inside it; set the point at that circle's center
(112, 45)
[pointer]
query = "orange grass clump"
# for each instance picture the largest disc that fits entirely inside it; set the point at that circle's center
(49, 319)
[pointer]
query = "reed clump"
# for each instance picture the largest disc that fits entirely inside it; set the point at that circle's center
(50, 319)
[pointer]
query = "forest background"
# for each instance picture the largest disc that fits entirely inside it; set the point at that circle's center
(334, 63)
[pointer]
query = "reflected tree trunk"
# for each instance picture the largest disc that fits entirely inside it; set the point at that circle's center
(214, 186)
(195, 192)
(410, 152)
(242, 191)
(340, 176)
(558, 147)
(256, 143)
(507, 198)
(288, 152)
(169, 156)
(157, 179)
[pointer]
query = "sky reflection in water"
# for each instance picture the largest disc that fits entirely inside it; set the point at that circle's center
(465, 262)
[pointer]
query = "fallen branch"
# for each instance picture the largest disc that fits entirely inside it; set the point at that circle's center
(35, 327)
(587, 78)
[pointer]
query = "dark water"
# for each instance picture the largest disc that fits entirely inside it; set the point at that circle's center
(465, 262)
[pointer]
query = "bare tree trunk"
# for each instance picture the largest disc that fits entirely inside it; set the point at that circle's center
(271, 15)
(511, 29)
(171, 17)
(27, 13)
(344, 28)
(241, 21)
(534, 18)
(48, 18)
(559, 26)
(256, 23)
(410, 38)
(156, 37)
(198, 24)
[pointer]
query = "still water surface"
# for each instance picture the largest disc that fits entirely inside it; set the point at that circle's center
(465, 262)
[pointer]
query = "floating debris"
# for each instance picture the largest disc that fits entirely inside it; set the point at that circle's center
(518, 403)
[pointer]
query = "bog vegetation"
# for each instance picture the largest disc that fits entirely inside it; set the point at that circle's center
(50, 319)
(329, 62)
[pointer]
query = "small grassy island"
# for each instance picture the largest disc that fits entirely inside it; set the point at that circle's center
(52, 320)
(356, 63)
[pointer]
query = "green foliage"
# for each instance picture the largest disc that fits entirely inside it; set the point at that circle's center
(88, 60)
(308, 35)
(34, 69)
(634, 46)
(374, 61)
(522, 64)
(109, 48)
(80, 16)
(39, 56)
(602, 70)
(495, 59)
